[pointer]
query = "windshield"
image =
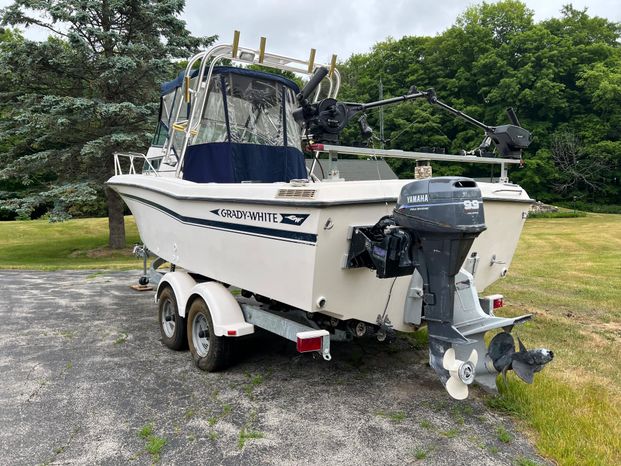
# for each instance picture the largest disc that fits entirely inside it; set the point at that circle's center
(248, 109)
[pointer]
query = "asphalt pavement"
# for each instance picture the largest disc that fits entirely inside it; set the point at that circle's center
(84, 379)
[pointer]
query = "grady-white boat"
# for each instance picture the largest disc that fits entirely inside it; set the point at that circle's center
(225, 196)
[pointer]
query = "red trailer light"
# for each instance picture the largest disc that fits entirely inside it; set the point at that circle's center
(231, 333)
(309, 344)
(498, 302)
(314, 340)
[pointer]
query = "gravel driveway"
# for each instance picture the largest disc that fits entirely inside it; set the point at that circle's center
(85, 379)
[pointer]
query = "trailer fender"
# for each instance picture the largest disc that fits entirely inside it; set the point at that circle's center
(182, 284)
(227, 316)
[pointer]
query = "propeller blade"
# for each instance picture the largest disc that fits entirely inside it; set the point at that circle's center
(474, 358)
(501, 350)
(449, 362)
(457, 389)
(524, 371)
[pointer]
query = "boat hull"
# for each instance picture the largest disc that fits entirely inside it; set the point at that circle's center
(290, 243)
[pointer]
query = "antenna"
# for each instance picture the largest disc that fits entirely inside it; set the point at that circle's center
(381, 114)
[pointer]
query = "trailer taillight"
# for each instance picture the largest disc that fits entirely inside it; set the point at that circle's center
(231, 333)
(309, 344)
(498, 302)
(311, 341)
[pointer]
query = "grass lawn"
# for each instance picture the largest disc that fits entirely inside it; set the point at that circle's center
(74, 244)
(568, 273)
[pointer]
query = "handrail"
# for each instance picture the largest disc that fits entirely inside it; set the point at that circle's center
(118, 168)
(422, 156)
(401, 154)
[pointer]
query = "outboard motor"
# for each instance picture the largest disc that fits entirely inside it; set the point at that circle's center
(444, 215)
(431, 231)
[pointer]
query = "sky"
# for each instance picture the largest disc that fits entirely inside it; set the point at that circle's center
(293, 27)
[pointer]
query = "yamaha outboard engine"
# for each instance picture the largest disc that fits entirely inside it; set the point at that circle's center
(431, 231)
(444, 215)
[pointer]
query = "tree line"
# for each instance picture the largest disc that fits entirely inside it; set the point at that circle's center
(92, 89)
(562, 76)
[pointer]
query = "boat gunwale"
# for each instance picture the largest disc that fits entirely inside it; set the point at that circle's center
(292, 202)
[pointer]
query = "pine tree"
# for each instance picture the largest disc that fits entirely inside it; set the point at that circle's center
(88, 91)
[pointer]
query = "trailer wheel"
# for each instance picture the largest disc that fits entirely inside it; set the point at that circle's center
(210, 352)
(172, 325)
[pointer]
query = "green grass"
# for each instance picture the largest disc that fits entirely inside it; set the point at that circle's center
(121, 339)
(503, 435)
(154, 444)
(394, 416)
(146, 431)
(451, 433)
(426, 424)
(247, 434)
(522, 461)
(253, 382)
(567, 272)
(74, 244)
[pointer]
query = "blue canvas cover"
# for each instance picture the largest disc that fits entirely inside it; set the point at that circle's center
(170, 86)
(225, 162)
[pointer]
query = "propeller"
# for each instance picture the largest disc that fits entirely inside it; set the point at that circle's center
(462, 373)
(525, 363)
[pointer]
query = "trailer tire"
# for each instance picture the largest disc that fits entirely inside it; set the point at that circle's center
(172, 325)
(210, 352)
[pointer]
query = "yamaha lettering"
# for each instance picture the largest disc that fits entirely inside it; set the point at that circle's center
(266, 217)
(417, 198)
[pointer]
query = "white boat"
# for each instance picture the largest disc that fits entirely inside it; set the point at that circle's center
(225, 195)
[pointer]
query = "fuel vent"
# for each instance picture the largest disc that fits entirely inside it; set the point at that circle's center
(296, 194)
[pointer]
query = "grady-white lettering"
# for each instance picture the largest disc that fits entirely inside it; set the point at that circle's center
(250, 215)
(417, 198)
(264, 217)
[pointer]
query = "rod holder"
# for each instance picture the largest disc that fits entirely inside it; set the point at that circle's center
(332, 66)
(187, 89)
(262, 49)
(235, 44)
(311, 60)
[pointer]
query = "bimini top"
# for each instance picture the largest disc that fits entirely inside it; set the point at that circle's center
(176, 83)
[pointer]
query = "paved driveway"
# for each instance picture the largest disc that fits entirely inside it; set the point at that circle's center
(84, 379)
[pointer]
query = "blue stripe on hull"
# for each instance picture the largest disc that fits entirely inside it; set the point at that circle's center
(272, 233)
